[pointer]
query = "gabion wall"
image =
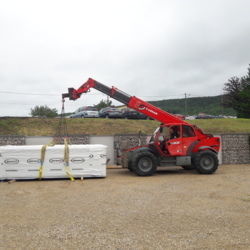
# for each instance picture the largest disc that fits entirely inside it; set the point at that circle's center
(12, 140)
(122, 142)
(235, 148)
(74, 139)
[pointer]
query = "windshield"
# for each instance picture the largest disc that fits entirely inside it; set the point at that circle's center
(156, 132)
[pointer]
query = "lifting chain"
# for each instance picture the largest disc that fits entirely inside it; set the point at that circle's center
(62, 130)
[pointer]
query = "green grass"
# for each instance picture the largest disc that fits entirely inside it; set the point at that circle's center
(223, 126)
(48, 127)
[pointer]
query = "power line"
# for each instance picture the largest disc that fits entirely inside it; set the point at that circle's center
(26, 93)
(10, 103)
(159, 95)
(97, 94)
(23, 93)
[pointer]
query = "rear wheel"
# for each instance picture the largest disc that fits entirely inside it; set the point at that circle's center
(206, 162)
(144, 163)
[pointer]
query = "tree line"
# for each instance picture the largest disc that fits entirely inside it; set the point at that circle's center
(237, 94)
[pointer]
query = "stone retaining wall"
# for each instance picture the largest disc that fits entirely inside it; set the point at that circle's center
(74, 139)
(122, 142)
(235, 148)
(12, 140)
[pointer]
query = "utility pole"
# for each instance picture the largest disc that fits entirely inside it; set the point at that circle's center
(185, 104)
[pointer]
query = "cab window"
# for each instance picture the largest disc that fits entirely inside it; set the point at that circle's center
(188, 131)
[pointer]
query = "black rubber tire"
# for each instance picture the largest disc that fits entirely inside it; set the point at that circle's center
(188, 167)
(144, 163)
(130, 167)
(206, 162)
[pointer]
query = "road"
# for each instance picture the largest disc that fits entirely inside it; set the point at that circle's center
(174, 209)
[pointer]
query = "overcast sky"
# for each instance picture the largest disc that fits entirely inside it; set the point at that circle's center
(153, 49)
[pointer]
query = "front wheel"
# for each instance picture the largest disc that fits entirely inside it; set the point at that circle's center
(206, 162)
(144, 163)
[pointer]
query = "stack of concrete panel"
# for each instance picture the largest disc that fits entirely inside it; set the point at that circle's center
(24, 162)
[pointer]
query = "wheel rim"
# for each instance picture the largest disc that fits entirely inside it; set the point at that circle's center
(145, 164)
(207, 162)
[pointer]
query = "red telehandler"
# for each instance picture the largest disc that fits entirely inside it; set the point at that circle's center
(175, 142)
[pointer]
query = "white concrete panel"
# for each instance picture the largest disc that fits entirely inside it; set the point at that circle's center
(38, 140)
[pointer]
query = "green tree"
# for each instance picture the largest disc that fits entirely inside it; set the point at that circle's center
(43, 111)
(103, 104)
(237, 95)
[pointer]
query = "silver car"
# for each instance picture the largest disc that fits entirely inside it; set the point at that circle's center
(85, 112)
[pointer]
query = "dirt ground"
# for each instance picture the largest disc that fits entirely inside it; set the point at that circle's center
(174, 209)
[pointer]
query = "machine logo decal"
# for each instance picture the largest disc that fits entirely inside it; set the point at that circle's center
(175, 142)
(143, 107)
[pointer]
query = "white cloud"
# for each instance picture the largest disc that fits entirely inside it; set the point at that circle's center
(144, 47)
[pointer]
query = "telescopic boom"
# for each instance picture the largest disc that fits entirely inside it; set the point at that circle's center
(131, 101)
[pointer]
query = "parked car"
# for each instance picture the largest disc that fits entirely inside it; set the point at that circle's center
(133, 114)
(110, 112)
(204, 117)
(85, 112)
(90, 114)
(190, 117)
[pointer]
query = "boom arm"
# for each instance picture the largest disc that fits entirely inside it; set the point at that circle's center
(131, 101)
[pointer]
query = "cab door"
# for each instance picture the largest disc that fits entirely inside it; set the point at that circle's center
(189, 139)
(174, 144)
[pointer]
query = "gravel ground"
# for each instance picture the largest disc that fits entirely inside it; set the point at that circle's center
(175, 209)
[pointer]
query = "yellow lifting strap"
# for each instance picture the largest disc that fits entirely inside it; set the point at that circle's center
(43, 151)
(66, 160)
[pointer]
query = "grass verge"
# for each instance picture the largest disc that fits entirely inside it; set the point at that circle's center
(94, 126)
